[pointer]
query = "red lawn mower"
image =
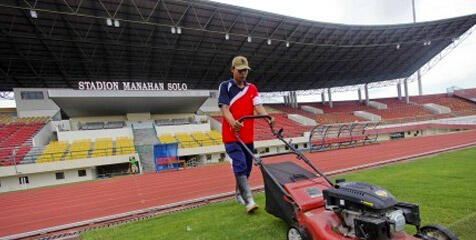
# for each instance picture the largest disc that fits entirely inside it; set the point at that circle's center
(315, 208)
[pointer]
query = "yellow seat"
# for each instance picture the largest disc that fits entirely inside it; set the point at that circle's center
(166, 138)
(186, 140)
(54, 151)
(215, 136)
(79, 149)
(124, 145)
(102, 147)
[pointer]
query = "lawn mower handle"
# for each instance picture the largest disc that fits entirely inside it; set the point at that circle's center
(241, 119)
(279, 135)
(237, 135)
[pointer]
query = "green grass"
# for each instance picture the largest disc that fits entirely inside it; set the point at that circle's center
(444, 186)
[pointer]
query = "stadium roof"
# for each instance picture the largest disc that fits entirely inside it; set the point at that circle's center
(63, 42)
(77, 103)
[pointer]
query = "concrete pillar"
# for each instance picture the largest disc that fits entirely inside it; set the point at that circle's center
(366, 88)
(399, 91)
(295, 100)
(420, 88)
(323, 97)
(359, 92)
(330, 97)
(405, 86)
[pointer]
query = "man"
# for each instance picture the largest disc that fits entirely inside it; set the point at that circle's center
(239, 98)
(134, 163)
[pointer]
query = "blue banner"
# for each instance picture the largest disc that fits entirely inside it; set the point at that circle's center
(165, 157)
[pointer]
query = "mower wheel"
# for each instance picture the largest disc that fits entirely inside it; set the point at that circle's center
(437, 232)
(297, 233)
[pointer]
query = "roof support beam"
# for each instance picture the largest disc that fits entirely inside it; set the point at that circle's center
(40, 36)
(202, 38)
(227, 63)
(8, 76)
(82, 55)
(25, 59)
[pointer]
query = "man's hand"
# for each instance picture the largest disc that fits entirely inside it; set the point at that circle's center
(237, 125)
(271, 121)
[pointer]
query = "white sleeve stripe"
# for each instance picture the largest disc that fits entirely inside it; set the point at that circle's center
(239, 95)
(256, 101)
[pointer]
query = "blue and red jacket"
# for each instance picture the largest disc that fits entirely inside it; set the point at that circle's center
(241, 102)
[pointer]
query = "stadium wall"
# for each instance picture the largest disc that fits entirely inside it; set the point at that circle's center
(214, 154)
(44, 179)
(211, 104)
(137, 117)
(29, 104)
(44, 136)
(189, 128)
(412, 133)
(77, 121)
(63, 125)
(172, 116)
(215, 124)
(70, 136)
(44, 174)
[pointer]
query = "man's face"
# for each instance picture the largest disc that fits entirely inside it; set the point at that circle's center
(239, 75)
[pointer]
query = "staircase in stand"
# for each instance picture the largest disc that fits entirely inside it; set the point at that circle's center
(145, 137)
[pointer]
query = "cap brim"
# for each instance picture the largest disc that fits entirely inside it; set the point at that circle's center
(242, 67)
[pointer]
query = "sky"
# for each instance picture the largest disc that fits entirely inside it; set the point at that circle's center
(457, 69)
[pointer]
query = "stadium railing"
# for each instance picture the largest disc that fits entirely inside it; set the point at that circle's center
(7, 156)
(329, 136)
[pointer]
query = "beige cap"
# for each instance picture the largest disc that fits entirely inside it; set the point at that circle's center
(240, 63)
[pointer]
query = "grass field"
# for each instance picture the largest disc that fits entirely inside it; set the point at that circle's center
(444, 186)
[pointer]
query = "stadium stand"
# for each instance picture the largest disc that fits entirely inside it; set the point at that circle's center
(84, 148)
(124, 145)
(54, 151)
(102, 147)
(203, 139)
(340, 106)
(195, 139)
(112, 125)
(291, 128)
(340, 115)
(215, 135)
(167, 138)
(92, 126)
(5, 118)
(287, 109)
(337, 117)
(15, 137)
(16, 134)
(6, 155)
(397, 109)
(186, 141)
(468, 94)
(166, 122)
(79, 150)
(458, 106)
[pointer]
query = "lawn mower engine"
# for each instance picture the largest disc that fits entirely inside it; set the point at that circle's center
(369, 212)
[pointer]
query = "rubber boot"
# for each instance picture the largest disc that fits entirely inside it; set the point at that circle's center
(245, 191)
(238, 197)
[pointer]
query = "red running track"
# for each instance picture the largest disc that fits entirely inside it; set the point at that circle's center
(47, 207)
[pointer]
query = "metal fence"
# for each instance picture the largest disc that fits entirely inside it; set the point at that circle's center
(14, 156)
